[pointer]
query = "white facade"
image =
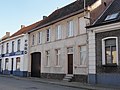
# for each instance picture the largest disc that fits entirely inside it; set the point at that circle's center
(12, 49)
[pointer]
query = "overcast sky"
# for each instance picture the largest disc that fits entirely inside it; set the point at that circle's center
(14, 13)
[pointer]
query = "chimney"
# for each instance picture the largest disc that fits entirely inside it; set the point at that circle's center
(44, 17)
(7, 34)
(22, 26)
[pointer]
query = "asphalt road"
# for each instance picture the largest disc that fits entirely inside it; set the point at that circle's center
(18, 84)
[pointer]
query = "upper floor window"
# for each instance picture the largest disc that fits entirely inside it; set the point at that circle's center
(2, 49)
(18, 45)
(7, 48)
(110, 51)
(13, 44)
(58, 32)
(48, 35)
(70, 28)
(33, 39)
(40, 37)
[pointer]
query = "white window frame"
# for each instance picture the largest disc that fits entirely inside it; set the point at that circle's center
(58, 56)
(18, 63)
(70, 28)
(48, 35)
(58, 32)
(48, 58)
(103, 49)
(39, 37)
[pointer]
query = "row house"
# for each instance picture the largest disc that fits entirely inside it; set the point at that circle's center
(58, 46)
(104, 47)
(14, 52)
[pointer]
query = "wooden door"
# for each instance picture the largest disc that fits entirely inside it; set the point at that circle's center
(70, 63)
(36, 64)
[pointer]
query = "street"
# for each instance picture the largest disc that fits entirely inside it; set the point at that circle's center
(7, 83)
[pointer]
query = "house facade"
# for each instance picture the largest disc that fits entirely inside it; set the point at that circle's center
(58, 46)
(104, 51)
(14, 52)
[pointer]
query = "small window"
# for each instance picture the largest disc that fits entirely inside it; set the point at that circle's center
(112, 16)
(7, 48)
(13, 46)
(40, 37)
(48, 35)
(110, 51)
(33, 39)
(18, 45)
(58, 32)
(70, 28)
(18, 63)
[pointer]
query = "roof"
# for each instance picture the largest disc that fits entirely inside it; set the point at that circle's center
(67, 10)
(112, 10)
(25, 29)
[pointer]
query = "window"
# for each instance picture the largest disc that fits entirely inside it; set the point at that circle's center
(48, 35)
(33, 39)
(83, 55)
(18, 45)
(12, 46)
(59, 32)
(18, 63)
(57, 57)
(70, 28)
(47, 58)
(110, 51)
(2, 49)
(40, 37)
(111, 16)
(7, 48)
(6, 63)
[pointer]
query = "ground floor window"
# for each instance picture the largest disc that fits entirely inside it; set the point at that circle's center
(6, 63)
(47, 58)
(110, 51)
(18, 63)
(83, 55)
(57, 57)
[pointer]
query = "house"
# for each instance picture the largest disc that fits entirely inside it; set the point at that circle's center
(58, 45)
(14, 52)
(104, 47)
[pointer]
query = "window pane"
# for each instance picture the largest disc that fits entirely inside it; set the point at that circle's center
(83, 55)
(114, 59)
(108, 55)
(110, 42)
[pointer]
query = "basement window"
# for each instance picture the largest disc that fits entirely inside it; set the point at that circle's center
(111, 16)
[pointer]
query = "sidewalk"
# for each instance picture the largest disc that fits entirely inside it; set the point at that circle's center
(67, 84)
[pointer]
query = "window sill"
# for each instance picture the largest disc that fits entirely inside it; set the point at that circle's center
(81, 66)
(58, 66)
(110, 65)
(47, 66)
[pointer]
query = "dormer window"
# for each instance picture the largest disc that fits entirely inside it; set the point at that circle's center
(111, 16)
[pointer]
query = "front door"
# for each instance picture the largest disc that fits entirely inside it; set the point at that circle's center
(35, 64)
(12, 66)
(70, 63)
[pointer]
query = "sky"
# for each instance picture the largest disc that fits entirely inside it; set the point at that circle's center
(14, 13)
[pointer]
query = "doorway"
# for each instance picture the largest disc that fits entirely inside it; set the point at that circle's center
(36, 64)
(12, 65)
(70, 63)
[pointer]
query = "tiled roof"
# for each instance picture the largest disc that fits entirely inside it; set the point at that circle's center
(67, 10)
(25, 29)
(113, 8)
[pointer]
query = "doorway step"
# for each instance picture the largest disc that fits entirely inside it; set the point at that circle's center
(68, 77)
